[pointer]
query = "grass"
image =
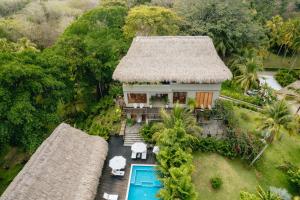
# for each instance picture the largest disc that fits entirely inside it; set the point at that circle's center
(12, 160)
(237, 175)
(275, 62)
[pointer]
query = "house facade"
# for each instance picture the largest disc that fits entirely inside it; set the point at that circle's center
(160, 71)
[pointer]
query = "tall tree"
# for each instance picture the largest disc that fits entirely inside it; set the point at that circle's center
(28, 96)
(229, 23)
(248, 71)
(88, 52)
(151, 20)
(276, 118)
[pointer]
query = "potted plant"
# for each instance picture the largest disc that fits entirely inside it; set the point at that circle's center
(150, 101)
(167, 102)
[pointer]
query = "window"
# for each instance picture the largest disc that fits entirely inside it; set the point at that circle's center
(137, 98)
(179, 97)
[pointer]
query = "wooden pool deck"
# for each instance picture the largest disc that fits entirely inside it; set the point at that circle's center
(118, 185)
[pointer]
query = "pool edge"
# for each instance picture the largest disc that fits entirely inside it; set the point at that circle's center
(129, 180)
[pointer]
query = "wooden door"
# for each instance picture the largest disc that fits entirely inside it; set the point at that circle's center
(204, 99)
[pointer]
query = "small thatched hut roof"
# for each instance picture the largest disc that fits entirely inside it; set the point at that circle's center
(287, 91)
(66, 166)
(184, 59)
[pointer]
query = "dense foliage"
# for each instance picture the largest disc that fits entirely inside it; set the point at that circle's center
(284, 35)
(64, 82)
(229, 23)
(151, 20)
(174, 158)
(28, 94)
(287, 76)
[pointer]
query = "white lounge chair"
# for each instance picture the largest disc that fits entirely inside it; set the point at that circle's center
(110, 196)
(141, 105)
(118, 173)
(144, 156)
(135, 105)
(133, 155)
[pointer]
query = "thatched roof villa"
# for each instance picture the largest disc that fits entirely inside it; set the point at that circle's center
(159, 71)
(66, 166)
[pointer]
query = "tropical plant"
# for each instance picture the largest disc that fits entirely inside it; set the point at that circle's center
(248, 77)
(151, 20)
(178, 185)
(283, 34)
(259, 195)
(276, 117)
(281, 192)
(179, 113)
(175, 162)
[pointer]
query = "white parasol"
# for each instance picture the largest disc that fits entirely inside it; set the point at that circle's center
(139, 147)
(117, 162)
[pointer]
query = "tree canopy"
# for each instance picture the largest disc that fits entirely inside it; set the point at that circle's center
(229, 23)
(151, 20)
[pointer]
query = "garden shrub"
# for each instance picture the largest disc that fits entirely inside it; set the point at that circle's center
(129, 122)
(148, 130)
(294, 177)
(287, 76)
(236, 144)
(293, 173)
(106, 123)
(216, 182)
(230, 89)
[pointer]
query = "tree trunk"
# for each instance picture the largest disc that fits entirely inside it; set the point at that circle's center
(298, 110)
(259, 155)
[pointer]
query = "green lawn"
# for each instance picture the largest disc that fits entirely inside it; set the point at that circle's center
(236, 174)
(274, 61)
(11, 162)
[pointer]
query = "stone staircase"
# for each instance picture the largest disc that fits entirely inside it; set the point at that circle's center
(132, 135)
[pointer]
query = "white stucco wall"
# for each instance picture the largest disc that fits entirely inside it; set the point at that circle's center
(152, 89)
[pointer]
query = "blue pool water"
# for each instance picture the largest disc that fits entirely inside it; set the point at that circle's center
(144, 184)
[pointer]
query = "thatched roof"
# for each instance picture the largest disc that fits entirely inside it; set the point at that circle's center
(66, 166)
(287, 91)
(184, 59)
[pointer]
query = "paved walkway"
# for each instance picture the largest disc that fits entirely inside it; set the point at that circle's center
(118, 185)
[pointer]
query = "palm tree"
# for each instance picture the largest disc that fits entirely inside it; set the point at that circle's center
(259, 195)
(276, 116)
(178, 113)
(248, 77)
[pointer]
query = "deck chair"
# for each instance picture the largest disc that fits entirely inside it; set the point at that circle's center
(118, 173)
(144, 156)
(133, 155)
(110, 196)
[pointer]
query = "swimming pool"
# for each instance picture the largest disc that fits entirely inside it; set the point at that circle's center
(143, 183)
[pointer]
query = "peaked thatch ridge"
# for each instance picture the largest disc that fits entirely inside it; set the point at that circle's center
(287, 91)
(184, 59)
(67, 166)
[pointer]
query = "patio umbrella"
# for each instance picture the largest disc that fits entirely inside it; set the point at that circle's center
(117, 162)
(155, 149)
(139, 147)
